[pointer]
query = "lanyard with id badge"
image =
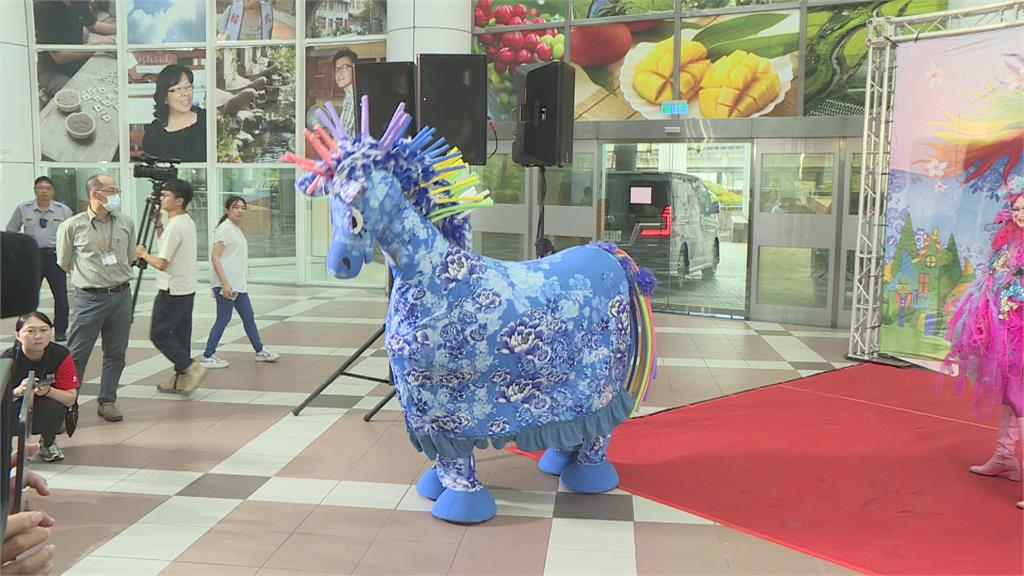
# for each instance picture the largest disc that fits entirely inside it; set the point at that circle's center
(107, 256)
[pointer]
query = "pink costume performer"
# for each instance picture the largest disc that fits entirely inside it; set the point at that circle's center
(986, 333)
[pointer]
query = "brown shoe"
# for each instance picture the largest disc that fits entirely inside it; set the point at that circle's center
(109, 412)
(190, 379)
(171, 385)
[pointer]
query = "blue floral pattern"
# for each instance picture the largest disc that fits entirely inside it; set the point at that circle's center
(485, 350)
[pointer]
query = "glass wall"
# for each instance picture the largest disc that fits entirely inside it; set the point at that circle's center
(269, 223)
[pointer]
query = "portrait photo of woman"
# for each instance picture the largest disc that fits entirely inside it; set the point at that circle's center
(178, 129)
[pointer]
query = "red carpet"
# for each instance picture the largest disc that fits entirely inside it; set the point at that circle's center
(865, 467)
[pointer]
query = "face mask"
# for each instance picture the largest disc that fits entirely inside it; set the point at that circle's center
(113, 202)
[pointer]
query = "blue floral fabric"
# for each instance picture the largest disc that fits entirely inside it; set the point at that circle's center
(485, 351)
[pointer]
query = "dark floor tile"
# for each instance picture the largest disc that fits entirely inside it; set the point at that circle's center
(594, 506)
(811, 366)
(335, 401)
(772, 332)
(224, 486)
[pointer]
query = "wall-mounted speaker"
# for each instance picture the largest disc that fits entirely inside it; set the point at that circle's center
(453, 99)
(387, 84)
(544, 94)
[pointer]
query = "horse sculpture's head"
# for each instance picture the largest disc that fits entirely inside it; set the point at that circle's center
(369, 180)
(358, 211)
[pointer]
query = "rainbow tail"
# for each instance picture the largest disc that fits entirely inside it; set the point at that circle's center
(643, 362)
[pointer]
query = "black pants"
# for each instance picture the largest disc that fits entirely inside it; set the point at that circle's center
(47, 416)
(58, 282)
(170, 329)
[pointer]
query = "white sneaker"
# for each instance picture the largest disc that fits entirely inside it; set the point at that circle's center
(267, 356)
(213, 362)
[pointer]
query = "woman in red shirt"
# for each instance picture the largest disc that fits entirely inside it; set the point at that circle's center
(55, 384)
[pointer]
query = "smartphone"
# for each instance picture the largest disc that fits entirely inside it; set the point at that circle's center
(232, 297)
(24, 428)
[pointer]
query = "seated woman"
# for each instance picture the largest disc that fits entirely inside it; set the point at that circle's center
(55, 384)
(179, 128)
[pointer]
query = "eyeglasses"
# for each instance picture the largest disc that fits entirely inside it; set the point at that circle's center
(185, 88)
(107, 191)
(1017, 210)
(43, 222)
(344, 68)
(43, 188)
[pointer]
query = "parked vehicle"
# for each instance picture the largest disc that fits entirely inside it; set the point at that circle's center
(667, 221)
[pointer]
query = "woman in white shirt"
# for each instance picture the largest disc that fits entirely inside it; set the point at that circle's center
(229, 261)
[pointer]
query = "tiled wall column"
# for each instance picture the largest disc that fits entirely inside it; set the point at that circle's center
(428, 26)
(16, 138)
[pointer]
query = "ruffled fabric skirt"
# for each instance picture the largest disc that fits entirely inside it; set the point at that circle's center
(989, 350)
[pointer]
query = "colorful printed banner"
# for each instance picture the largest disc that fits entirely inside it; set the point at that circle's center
(957, 115)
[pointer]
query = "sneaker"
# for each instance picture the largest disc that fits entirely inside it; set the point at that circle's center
(214, 362)
(60, 337)
(267, 356)
(189, 379)
(109, 412)
(51, 453)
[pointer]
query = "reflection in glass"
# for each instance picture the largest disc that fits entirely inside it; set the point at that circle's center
(163, 22)
(198, 208)
(69, 184)
(255, 99)
(562, 242)
(269, 223)
(499, 245)
(572, 185)
(855, 167)
(792, 276)
(504, 178)
(796, 183)
(318, 239)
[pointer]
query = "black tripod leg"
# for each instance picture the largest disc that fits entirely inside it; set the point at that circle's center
(369, 415)
(344, 367)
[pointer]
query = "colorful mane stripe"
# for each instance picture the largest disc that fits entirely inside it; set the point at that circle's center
(645, 356)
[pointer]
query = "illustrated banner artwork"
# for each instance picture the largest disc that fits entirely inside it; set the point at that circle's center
(956, 150)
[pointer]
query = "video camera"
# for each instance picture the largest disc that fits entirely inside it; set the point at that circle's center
(156, 169)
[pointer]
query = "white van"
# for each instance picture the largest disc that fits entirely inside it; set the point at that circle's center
(667, 221)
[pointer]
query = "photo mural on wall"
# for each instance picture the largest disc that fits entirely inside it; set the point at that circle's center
(330, 71)
(166, 21)
(837, 52)
(255, 98)
(166, 101)
(338, 18)
(246, 20)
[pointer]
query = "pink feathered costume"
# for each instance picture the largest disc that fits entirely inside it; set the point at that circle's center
(986, 332)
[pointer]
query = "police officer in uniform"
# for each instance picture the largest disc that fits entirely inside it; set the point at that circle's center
(40, 219)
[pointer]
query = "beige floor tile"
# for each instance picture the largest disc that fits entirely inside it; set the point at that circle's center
(513, 531)
(420, 527)
(273, 516)
(354, 525)
(507, 560)
(388, 558)
(235, 546)
(180, 568)
(317, 554)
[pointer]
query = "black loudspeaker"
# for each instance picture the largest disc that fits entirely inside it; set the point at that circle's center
(387, 84)
(19, 274)
(453, 99)
(545, 107)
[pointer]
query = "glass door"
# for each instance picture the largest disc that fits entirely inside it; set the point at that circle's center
(503, 231)
(682, 210)
(851, 214)
(570, 216)
(794, 230)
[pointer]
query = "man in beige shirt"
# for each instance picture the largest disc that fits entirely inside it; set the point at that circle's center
(97, 248)
(171, 326)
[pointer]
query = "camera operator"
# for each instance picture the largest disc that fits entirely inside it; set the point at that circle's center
(171, 325)
(56, 384)
(97, 247)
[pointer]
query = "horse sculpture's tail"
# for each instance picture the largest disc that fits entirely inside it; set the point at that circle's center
(643, 363)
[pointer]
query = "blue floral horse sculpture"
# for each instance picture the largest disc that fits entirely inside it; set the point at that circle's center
(551, 353)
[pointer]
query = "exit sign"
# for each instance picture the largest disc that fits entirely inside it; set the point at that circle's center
(675, 108)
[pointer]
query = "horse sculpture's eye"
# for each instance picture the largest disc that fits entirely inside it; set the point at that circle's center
(356, 222)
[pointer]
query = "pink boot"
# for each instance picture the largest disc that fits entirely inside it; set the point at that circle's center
(1004, 461)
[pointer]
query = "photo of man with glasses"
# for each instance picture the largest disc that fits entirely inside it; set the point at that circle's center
(97, 247)
(40, 219)
(344, 71)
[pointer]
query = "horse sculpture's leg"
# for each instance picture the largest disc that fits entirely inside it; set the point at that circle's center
(556, 460)
(592, 473)
(464, 499)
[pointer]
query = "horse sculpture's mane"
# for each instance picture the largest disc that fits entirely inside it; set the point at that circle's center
(433, 175)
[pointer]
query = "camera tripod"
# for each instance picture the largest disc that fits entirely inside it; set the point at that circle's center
(343, 369)
(146, 232)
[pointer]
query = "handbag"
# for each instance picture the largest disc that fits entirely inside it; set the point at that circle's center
(71, 419)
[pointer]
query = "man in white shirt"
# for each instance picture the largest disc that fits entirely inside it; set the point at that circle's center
(171, 326)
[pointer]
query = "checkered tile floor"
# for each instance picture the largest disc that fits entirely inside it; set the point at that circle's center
(228, 482)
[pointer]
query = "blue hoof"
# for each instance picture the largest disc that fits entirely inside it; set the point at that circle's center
(465, 507)
(429, 485)
(590, 478)
(555, 461)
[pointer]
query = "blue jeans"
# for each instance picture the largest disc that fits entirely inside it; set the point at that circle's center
(224, 307)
